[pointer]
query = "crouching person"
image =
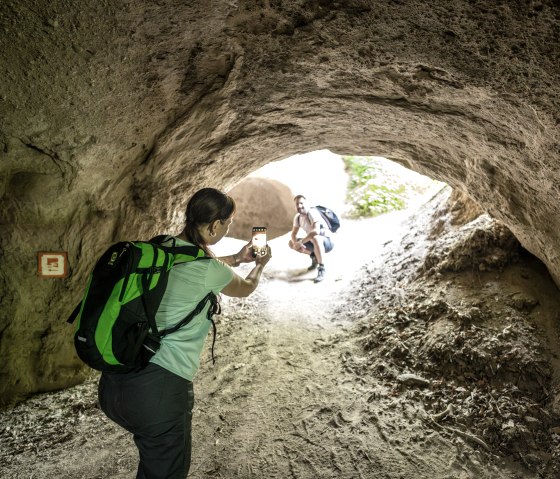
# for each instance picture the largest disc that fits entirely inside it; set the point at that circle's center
(317, 240)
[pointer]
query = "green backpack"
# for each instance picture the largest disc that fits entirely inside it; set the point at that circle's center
(116, 328)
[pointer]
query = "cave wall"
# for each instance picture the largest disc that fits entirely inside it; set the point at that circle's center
(113, 113)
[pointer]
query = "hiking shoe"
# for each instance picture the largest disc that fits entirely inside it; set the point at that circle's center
(320, 274)
(313, 263)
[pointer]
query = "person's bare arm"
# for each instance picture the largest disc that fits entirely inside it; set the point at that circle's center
(295, 230)
(312, 233)
(240, 287)
(230, 260)
(242, 256)
(294, 242)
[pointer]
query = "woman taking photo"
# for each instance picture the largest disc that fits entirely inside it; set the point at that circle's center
(155, 404)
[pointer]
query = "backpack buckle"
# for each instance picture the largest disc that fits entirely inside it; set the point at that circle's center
(151, 270)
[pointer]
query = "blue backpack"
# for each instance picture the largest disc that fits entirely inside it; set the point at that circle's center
(330, 217)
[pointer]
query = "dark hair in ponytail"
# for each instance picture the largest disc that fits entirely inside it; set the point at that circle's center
(205, 206)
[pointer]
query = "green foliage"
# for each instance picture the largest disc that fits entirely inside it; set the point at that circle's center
(378, 186)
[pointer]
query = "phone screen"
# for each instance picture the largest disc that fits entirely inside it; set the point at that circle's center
(259, 241)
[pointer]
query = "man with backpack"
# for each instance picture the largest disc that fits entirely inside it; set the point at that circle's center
(317, 240)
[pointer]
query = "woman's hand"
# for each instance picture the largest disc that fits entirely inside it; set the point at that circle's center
(245, 254)
(262, 260)
(300, 246)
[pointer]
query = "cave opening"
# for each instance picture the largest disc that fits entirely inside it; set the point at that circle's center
(356, 187)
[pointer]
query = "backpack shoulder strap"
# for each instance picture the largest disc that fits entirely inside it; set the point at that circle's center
(193, 252)
(74, 313)
(199, 307)
(213, 309)
(309, 216)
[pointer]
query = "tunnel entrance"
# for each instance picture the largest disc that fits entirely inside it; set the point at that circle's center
(371, 196)
(354, 187)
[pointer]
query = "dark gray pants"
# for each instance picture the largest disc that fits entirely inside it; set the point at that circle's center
(155, 405)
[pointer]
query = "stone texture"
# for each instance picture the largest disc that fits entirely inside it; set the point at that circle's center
(113, 113)
(262, 202)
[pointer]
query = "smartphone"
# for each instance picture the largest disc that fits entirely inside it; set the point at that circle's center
(258, 241)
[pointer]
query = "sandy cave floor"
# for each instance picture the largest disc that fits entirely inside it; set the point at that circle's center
(295, 392)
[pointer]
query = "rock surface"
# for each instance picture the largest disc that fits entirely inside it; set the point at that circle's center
(262, 202)
(113, 113)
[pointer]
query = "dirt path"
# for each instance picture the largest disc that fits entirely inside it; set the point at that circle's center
(283, 401)
(288, 404)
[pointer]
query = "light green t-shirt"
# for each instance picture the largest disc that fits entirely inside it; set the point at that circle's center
(188, 284)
